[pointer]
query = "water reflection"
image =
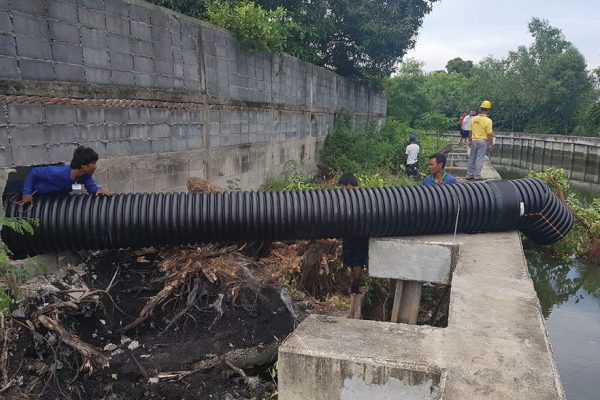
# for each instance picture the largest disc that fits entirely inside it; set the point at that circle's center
(557, 281)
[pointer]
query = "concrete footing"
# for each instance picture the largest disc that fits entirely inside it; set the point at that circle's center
(494, 347)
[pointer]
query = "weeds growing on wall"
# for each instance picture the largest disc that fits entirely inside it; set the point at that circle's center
(584, 238)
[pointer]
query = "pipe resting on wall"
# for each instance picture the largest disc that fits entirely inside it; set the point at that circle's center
(88, 222)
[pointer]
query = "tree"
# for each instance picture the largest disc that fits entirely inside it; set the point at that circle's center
(459, 66)
(405, 94)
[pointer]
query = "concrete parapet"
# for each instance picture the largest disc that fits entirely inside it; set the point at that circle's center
(494, 347)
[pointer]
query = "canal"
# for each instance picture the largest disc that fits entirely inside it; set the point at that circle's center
(569, 293)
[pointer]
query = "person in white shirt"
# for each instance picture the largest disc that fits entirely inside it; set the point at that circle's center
(412, 154)
(466, 126)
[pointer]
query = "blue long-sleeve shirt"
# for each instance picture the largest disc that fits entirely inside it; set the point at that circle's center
(55, 178)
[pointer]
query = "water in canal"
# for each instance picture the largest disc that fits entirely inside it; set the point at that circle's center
(569, 293)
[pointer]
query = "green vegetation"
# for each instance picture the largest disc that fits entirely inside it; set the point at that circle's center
(259, 29)
(584, 238)
(360, 39)
(376, 156)
(542, 88)
(12, 276)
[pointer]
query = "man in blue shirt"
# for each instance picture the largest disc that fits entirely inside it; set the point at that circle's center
(63, 178)
(436, 165)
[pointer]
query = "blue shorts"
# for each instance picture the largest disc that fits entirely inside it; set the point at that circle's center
(464, 134)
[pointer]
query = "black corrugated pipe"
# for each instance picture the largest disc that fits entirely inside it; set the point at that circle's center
(155, 219)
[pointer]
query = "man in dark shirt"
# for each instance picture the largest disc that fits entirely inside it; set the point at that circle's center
(55, 179)
(355, 254)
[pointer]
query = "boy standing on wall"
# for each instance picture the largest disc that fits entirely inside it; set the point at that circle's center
(412, 153)
(355, 254)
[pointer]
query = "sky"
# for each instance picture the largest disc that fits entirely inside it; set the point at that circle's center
(473, 29)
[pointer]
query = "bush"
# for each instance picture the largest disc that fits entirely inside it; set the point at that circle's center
(584, 238)
(374, 151)
(258, 28)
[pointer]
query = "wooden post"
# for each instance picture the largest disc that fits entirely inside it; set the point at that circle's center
(407, 299)
(397, 300)
(411, 300)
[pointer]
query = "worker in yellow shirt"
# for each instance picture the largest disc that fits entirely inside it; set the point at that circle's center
(481, 139)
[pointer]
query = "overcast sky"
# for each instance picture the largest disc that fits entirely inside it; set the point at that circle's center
(473, 29)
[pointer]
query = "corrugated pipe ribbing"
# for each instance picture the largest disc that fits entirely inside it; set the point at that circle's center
(80, 222)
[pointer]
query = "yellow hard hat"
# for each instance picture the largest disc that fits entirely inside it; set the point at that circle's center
(485, 104)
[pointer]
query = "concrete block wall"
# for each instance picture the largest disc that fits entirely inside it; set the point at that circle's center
(136, 81)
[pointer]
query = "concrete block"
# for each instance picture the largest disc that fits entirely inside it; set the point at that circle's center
(116, 115)
(194, 143)
(158, 115)
(116, 7)
(6, 156)
(94, 38)
(91, 133)
(118, 25)
(29, 155)
(190, 57)
(179, 116)
(29, 7)
(142, 146)
(58, 134)
(140, 14)
(62, 10)
(164, 67)
(178, 70)
(177, 55)
(140, 30)
(165, 82)
(96, 57)
(142, 48)
(162, 145)
(92, 18)
(159, 131)
(119, 43)
(95, 4)
(118, 149)
(33, 48)
(139, 131)
(188, 42)
(26, 24)
(116, 133)
(145, 80)
(8, 46)
(8, 68)
(97, 75)
(159, 18)
(69, 73)
(4, 139)
(191, 85)
(67, 53)
(178, 144)
(139, 115)
(161, 37)
(64, 32)
(122, 78)
(25, 113)
(90, 115)
(5, 22)
(61, 152)
(121, 61)
(164, 53)
(191, 72)
(176, 39)
(143, 64)
(412, 260)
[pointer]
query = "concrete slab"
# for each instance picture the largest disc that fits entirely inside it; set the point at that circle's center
(495, 346)
(411, 260)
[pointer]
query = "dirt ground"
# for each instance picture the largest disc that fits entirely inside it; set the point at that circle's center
(80, 334)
